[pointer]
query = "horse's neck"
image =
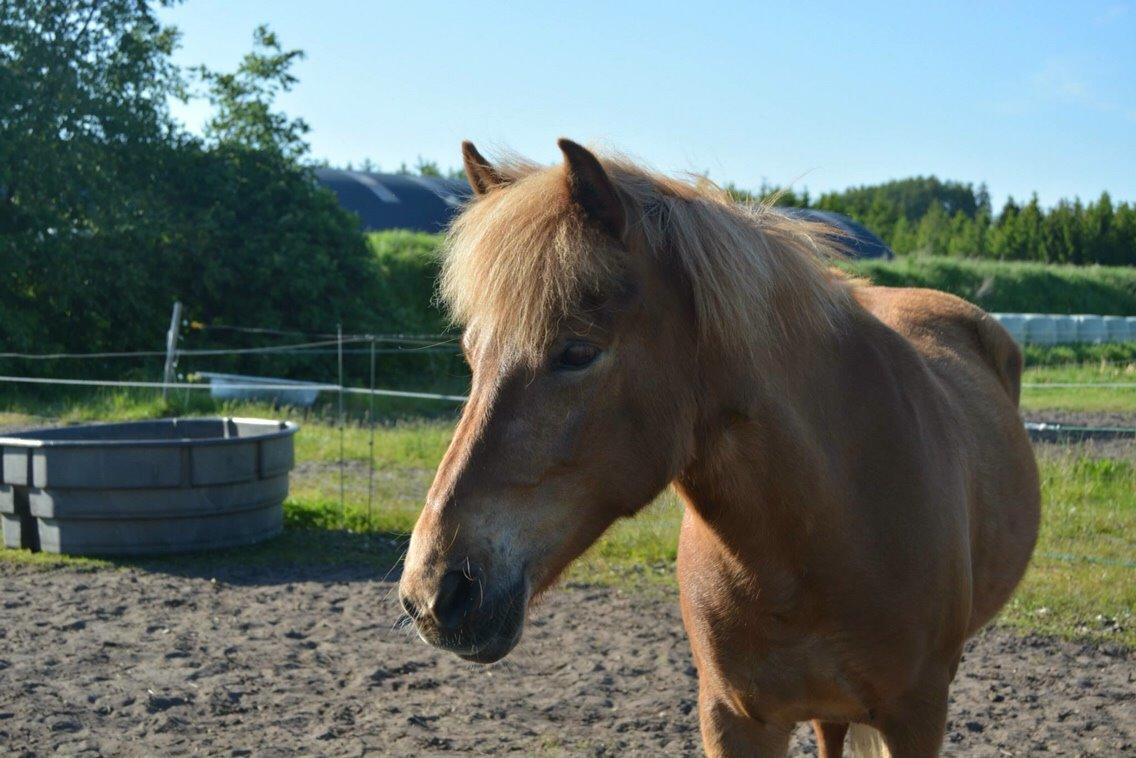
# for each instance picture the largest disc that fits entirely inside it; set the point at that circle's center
(759, 475)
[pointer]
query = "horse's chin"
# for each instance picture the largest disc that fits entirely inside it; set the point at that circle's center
(493, 650)
(490, 634)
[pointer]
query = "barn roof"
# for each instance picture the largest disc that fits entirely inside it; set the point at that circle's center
(428, 203)
(396, 201)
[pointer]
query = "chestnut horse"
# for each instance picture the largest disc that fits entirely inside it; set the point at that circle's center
(860, 495)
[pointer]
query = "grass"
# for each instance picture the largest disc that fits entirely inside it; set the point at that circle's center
(409, 265)
(1082, 583)
(1036, 396)
(1012, 286)
(1120, 353)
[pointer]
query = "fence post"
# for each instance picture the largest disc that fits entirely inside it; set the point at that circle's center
(171, 348)
(342, 430)
(371, 442)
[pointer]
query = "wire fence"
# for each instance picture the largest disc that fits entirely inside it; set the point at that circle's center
(313, 345)
(251, 385)
(320, 345)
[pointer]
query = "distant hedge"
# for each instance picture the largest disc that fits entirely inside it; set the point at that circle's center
(1006, 287)
(408, 267)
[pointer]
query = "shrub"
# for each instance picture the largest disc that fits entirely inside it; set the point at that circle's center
(1014, 287)
(409, 265)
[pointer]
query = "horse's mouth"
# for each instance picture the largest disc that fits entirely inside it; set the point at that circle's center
(493, 649)
(488, 634)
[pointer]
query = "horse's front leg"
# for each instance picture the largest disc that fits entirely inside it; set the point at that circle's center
(727, 731)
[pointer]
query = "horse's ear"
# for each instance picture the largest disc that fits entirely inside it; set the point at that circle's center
(591, 188)
(480, 172)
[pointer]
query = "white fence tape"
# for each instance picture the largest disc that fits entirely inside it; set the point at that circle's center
(403, 393)
(251, 386)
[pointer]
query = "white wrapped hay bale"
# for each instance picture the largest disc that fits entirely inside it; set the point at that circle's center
(1066, 328)
(1014, 323)
(1041, 329)
(1090, 328)
(1115, 328)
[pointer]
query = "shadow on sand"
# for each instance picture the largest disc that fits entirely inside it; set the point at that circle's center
(296, 555)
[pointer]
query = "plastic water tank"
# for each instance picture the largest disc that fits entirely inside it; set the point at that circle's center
(1040, 329)
(1014, 323)
(1090, 328)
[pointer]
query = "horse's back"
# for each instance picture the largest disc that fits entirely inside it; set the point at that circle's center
(978, 366)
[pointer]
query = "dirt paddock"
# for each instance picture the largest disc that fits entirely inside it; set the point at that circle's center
(273, 661)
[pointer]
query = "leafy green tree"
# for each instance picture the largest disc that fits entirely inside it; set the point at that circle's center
(1060, 234)
(904, 238)
(932, 217)
(427, 168)
(1008, 240)
(109, 210)
(1030, 223)
(967, 236)
(1124, 229)
(933, 232)
(244, 99)
(912, 198)
(261, 242)
(1100, 242)
(84, 129)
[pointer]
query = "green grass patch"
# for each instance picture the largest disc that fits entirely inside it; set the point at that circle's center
(1043, 388)
(1120, 353)
(1081, 584)
(639, 550)
(418, 443)
(1013, 287)
(409, 260)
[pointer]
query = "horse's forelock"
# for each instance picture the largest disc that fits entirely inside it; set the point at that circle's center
(520, 260)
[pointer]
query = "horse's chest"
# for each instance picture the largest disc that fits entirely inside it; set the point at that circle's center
(758, 642)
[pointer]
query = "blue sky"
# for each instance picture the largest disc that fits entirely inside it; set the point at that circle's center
(1027, 96)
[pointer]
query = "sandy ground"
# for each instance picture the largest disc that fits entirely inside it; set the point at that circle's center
(1123, 448)
(307, 661)
(284, 661)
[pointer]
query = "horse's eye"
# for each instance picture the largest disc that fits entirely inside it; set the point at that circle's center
(575, 356)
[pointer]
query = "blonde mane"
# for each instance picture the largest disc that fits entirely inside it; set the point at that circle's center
(520, 259)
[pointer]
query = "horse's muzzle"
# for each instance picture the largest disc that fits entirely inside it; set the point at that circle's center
(465, 618)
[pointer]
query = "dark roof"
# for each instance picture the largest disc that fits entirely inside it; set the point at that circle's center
(396, 201)
(427, 203)
(859, 242)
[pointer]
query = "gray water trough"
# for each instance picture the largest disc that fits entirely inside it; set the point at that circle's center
(145, 487)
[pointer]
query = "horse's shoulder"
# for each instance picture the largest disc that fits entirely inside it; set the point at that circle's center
(914, 307)
(947, 331)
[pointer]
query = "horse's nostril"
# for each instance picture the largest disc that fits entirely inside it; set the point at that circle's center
(410, 607)
(457, 596)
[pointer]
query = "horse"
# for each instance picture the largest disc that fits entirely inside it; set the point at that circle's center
(859, 493)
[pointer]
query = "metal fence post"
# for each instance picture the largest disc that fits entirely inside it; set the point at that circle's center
(371, 442)
(171, 348)
(342, 430)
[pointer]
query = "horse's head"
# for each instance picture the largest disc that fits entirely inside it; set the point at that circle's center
(582, 403)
